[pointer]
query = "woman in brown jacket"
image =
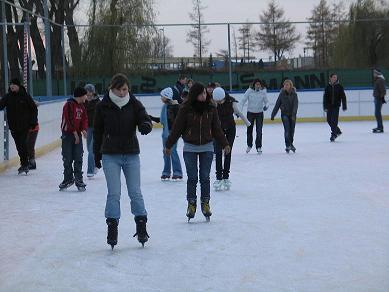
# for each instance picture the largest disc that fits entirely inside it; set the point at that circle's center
(198, 123)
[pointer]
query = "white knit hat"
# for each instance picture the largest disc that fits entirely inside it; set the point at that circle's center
(167, 92)
(218, 94)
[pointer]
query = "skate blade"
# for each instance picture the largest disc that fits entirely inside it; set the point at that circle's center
(112, 246)
(208, 219)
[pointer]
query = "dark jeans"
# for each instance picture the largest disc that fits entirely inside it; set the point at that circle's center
(31, 140)
(258, 119)
(378, 115)
(20, 138)
(71, 154)
(289, 126)
(224, 172)
(205, 162)
(333, 119)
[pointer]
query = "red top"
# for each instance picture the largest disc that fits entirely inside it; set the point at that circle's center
(74, 117)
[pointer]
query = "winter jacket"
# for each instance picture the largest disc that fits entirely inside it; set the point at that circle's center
(379, 91)
(288, 102)
(197, 128)
(177, 91)
(226, 111)
(168, 115)
(115, 128)
(74, 117)
(334, 96)
(22, 112)
(257, 100)
(90, 110)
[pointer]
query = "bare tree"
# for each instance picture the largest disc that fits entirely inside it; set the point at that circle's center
(276, 34)
(246, 40)
(196, 36)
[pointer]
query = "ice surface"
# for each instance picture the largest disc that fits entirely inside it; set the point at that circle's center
(317, 220)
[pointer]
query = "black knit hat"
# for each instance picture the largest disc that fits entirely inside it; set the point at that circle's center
(79, 91)
(15, 81)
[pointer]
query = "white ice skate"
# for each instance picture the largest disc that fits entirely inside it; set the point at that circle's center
(218, 185)
(226, 184)
(259, 150)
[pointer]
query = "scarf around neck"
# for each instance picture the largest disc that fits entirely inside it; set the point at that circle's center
(119, 101)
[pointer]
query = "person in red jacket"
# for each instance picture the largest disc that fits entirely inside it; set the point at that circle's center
(74, 125)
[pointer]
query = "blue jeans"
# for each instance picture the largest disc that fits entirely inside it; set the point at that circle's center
(378, 114)
(171, 160)
(205, 159)
(72, 157)
(289, 126)
(112, 166)
(91, 156)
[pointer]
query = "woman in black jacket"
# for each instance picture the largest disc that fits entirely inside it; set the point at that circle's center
(288, 103)
(22, 115)
(115, 143)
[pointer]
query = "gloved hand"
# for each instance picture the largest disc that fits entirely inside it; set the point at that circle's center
(145, 128)
(344, 108)
(98, 158)
(272, 118)
(265, 108)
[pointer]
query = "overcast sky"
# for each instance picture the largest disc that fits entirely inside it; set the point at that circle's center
(177, 11)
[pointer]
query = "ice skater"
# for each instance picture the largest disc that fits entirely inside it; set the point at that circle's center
(90, 104)
(227, 106)
(198, 123)
(288, 102)
(257, 103)
(115, 144)
(168, 115)
(333, 97)
(22, 116)
(379, 93)
(74, 126)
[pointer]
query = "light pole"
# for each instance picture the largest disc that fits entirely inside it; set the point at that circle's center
(163, 46)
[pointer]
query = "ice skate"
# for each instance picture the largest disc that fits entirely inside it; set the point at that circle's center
(217, 185)
(259, 150)
(377, 130)
(112, 236)
(226, 184)
(165, 177)
(32, 164)
(66, 184)
(287, 149)
(191, 211)
(176, 178)
(248, 149)
(23, 169)
(293, 148)
(141, 231)
(205, 208)
(81, 186)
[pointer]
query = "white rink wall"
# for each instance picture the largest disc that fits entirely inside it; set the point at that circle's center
(360, 103)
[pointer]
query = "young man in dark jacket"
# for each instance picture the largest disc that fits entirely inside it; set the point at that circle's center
(22, 115)
(74, 125)
(379, 93)
(179, 87)
(333, 97)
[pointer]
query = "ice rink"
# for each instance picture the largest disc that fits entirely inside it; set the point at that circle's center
(317, 220)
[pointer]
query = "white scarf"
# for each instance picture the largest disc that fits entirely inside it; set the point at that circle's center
(119, 101)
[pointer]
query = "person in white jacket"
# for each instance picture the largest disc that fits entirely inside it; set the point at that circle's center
(257, 102)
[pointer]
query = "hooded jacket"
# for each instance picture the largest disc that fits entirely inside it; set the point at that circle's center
(22, 112)
(287, 102)
(257, 100)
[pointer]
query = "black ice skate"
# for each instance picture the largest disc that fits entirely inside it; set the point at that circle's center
(141, 231)
(65, 184)
(293, 148)
(112, 236)
(287, 149)
(81, 186)
(23, 169)
(32, 164)
(191, 211)
(206, 210)
(377, 130)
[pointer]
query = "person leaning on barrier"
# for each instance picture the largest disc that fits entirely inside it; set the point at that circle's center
(22, 115)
